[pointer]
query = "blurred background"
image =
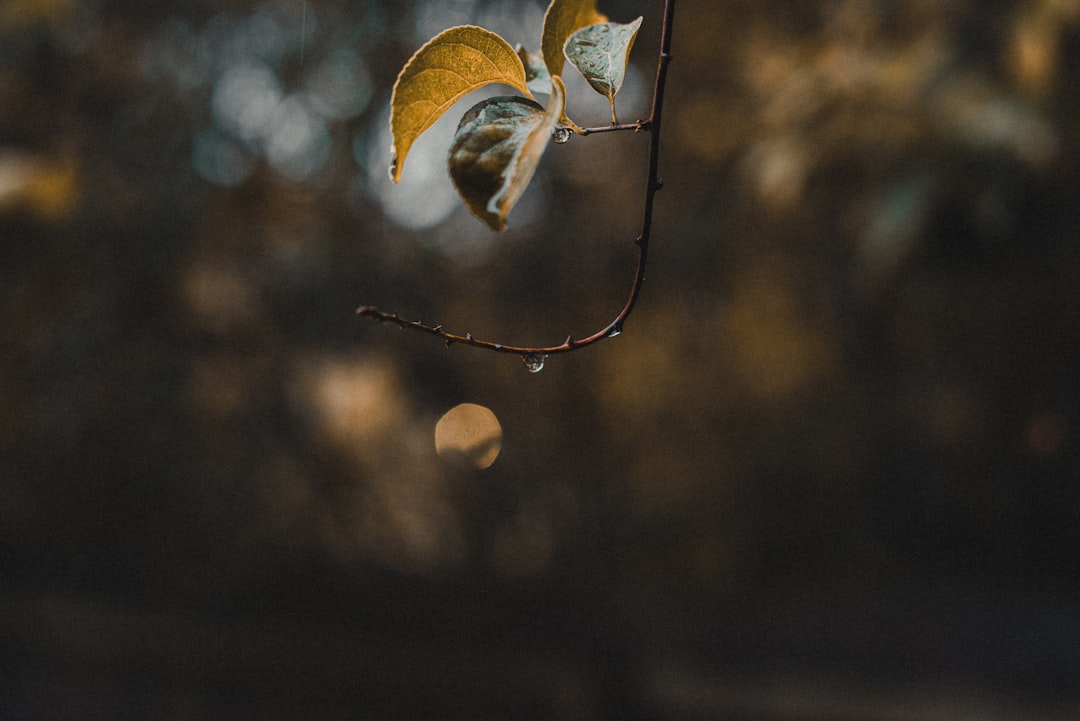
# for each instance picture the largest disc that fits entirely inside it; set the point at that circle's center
(829, 470)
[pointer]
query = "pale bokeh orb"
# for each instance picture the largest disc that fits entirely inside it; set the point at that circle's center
(470, 434)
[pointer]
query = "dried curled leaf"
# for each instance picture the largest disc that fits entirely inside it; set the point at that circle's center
(452, 64)
(496, 149)
(562, 19)
(600, 52)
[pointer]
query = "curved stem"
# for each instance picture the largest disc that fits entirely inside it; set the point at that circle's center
(652, 185)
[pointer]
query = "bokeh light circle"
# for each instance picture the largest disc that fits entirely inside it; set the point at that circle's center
(470, 434)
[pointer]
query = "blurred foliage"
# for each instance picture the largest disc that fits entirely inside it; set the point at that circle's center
(828, 470)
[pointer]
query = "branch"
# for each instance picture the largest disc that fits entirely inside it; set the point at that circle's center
(636, 127)
(534, 356)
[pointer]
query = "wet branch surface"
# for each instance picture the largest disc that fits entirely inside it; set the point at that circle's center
(534, 356)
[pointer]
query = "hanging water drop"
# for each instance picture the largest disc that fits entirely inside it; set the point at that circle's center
(561, 135)
(617, 330)
(534, 362)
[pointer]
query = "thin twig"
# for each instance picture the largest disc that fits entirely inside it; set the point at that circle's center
(636, 127)
(652, 185)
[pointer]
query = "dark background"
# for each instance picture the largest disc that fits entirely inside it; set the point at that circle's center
(829, 470)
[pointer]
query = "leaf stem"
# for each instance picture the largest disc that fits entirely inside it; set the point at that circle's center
(614, 127)
(653, 184)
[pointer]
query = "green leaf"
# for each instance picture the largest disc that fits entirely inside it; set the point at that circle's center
(536, 72)
(452, 64)
(496, 149)
(600, 52)
(562, 18)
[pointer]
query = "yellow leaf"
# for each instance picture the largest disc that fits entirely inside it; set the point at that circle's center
(562, 18)
(450, 65)
(496, 150)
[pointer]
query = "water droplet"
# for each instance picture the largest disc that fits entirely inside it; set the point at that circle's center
(617, 330)
(561, 135)
(534, 362)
